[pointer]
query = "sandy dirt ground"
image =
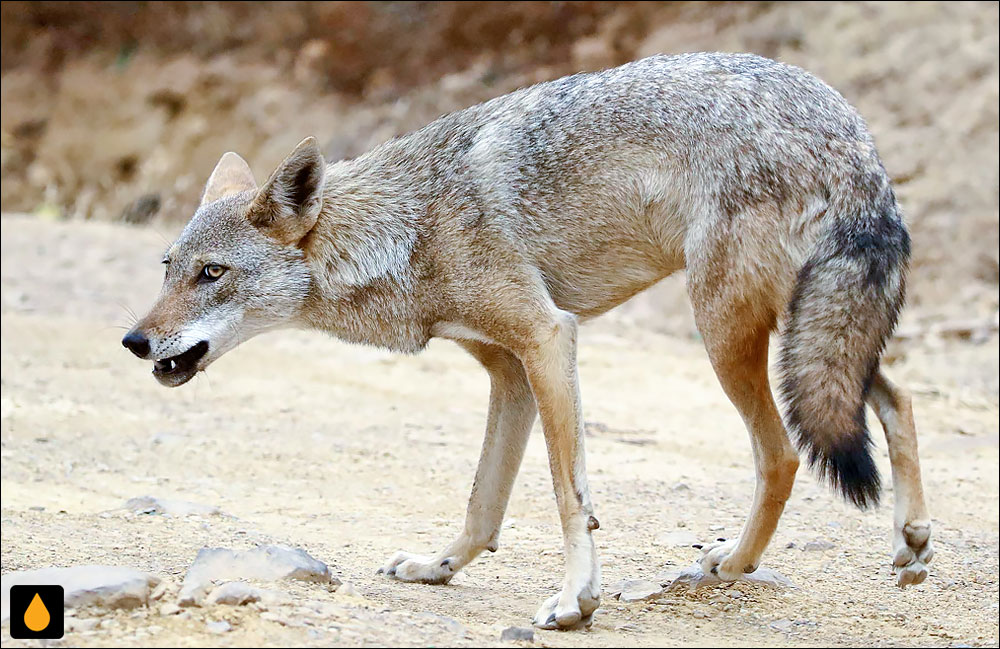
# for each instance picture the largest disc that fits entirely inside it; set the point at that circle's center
(353, 454)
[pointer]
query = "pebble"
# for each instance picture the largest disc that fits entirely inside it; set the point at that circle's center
(634, 590)
(103, 586)
(160, 590)
(274, 617)
(233, 593)
(517, 634)
(818, 546)
(77, 625)
(165, 507)
(782, 625)
(170, 609)
(218, 627)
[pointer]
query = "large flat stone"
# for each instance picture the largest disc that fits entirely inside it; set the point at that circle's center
(264, 563)
(104, 586)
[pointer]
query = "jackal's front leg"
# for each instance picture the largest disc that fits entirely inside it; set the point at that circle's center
(551, 366)
(511, 414)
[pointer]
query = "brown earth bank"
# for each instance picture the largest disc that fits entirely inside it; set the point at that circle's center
(352, 454)
(119, 110)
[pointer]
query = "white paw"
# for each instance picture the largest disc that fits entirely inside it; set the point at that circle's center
(718, 559)
(416, 568)
(912, 552)
(568, 610)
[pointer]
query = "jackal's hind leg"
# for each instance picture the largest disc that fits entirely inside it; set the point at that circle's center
(739, 355)
(911, 545)
(511, 414)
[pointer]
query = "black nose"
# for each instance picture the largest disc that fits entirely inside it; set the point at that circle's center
(136, 343)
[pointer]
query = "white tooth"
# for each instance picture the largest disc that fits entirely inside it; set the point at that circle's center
(171, 368)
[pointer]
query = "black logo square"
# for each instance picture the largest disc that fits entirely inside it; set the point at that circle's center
(36, 612)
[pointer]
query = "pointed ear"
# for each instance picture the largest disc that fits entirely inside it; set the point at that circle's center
(287, 206)
(231, 176)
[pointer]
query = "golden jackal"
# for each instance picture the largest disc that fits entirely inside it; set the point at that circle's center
(501, 226)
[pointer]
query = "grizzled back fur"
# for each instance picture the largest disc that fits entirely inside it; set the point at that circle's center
(756, 177)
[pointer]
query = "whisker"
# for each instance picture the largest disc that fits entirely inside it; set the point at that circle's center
(131, 314)
(160, 234)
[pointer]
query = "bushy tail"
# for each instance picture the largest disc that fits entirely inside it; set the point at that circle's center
(844, 307)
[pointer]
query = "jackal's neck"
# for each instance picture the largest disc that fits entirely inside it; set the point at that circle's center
(359, 256)
(367, 224)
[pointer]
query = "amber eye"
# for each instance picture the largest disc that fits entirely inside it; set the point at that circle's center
(212, 272)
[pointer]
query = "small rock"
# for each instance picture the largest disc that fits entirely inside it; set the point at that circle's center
(272, 597)
(818, 546)
(517, 634)
(694, 577)
(274, 617)
(634, 590)
(76, 625)
(452, 625)
(164, 507)
(219, 627)
(170, 609)
(159, 591)
(105, 586)
(265, 563)
(782, 625)
(233, 593)
(347, 588)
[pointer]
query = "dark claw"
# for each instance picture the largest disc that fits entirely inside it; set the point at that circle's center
(446, 563)
(715, 570)
(551, 620)
(698, 545)
(720, 539)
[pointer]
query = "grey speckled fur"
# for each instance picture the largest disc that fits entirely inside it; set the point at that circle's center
(502, 225)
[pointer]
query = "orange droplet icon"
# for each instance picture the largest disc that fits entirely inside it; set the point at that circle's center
(36, 617)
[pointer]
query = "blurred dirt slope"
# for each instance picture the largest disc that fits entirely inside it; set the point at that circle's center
(120, 110)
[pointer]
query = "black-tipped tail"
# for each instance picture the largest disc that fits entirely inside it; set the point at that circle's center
(846, 301)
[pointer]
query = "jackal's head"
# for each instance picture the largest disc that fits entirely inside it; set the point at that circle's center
(237, 269)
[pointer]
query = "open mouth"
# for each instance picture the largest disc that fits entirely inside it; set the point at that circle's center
(180, 366)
